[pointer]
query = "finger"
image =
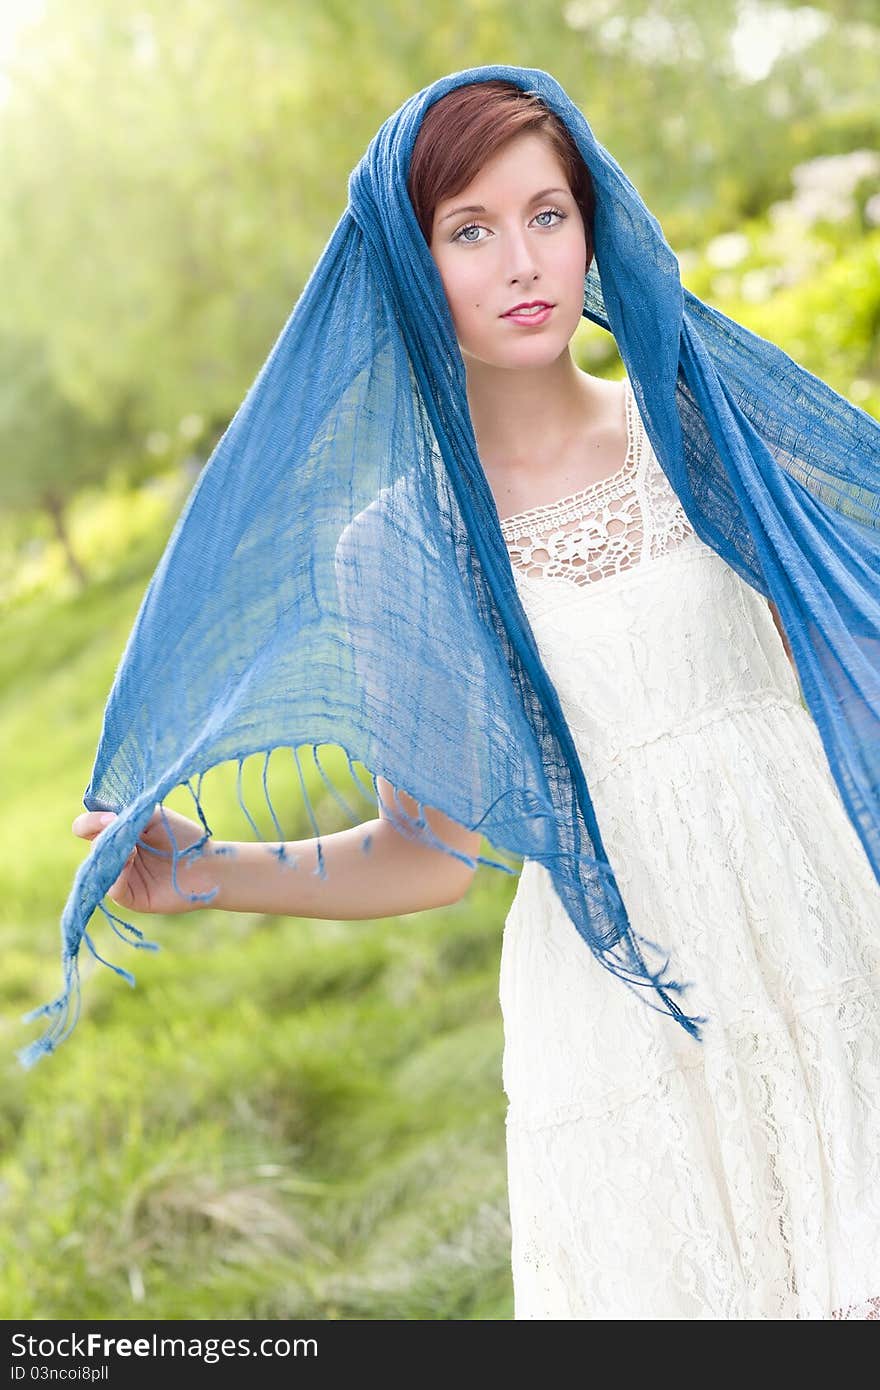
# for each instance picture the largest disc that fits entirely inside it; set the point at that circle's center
(119, 889)
(89, 832)
(90, 823)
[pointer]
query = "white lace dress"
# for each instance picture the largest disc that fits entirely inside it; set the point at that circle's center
(650, 1175)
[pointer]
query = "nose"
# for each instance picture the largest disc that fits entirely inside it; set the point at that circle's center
(521, 262)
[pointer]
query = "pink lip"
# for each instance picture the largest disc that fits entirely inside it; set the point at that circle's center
(527, 304)
(528, 320)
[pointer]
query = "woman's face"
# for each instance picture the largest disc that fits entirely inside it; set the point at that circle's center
(519, 249)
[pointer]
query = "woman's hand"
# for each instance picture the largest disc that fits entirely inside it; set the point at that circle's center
(145, 882)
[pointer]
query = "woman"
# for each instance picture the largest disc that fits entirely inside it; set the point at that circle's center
(648, 1177)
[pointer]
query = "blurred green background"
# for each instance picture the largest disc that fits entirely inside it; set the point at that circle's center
(305, 1118)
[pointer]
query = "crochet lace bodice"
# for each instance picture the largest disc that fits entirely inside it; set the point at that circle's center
(606, 527)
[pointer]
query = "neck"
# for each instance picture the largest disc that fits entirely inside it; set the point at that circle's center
(520, 415)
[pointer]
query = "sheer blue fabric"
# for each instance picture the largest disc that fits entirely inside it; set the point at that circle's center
(338, 574)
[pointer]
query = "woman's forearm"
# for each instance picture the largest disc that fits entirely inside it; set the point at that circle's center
(395, 876)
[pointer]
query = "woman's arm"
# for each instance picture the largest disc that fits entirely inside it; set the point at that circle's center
(398, 875)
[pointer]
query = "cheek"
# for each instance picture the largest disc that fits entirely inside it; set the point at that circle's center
(466, 284)
(465, 291)
(578, 258)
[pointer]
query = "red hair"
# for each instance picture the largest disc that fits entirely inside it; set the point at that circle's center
(465, 128)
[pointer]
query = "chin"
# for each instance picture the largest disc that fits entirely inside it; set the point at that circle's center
(533, 354)
(532, 351)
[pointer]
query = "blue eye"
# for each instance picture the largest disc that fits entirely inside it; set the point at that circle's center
(547, 213)
(476, 226)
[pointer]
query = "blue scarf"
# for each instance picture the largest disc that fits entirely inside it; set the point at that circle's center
(338, 573)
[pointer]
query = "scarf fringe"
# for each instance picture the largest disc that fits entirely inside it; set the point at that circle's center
(64, 1010)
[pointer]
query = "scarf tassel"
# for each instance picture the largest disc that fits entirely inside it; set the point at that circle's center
(64, 1009)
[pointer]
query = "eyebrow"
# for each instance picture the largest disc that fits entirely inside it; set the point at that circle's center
(478, 207)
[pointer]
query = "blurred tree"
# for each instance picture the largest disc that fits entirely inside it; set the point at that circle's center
(172, 168)
(50, 450)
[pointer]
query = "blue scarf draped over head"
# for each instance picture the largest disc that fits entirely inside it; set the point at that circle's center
(338, 574)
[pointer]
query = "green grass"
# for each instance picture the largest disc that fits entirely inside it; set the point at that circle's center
(285, 1118)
